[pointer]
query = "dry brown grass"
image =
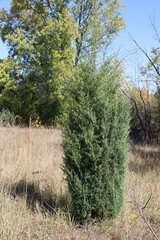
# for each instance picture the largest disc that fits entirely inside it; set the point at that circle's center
(44, 212)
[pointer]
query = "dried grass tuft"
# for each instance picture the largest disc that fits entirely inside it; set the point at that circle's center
(43, 209)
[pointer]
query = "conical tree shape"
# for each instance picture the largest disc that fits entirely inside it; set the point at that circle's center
(95, 145)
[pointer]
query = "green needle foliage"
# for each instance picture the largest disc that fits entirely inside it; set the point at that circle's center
(95, 144)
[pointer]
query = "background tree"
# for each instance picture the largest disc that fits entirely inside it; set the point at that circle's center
(151, 73)
(98, 24)
(143, 112)
(40, 42)
(46, 39)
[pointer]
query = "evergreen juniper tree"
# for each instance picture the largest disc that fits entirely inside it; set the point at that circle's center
(95, 144)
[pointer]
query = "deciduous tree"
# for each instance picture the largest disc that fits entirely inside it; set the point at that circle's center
(39, 35)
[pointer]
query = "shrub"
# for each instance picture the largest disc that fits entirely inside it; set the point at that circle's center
(95, 145)
(7, 117)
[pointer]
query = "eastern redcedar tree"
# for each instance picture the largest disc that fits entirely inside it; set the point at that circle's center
(95, 144)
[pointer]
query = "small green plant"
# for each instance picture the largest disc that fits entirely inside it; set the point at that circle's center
(7, 117)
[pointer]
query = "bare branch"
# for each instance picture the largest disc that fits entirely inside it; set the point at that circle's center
(137, 111)
(141, 213)
(49, 5)
(145, 205)
(155, 29)
(145, 53)
(145, 111)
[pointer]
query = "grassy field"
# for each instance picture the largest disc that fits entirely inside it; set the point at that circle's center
(34, 201)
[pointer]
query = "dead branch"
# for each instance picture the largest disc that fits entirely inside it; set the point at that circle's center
(141, 212)
(145, 53)
(137, 111)
(155, 30)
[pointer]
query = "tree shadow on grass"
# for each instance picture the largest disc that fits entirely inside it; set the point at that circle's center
(145, 159)
(48, 202)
